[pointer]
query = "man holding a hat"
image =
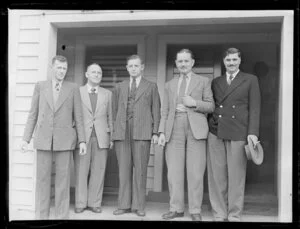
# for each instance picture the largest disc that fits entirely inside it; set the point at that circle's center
(233, 124)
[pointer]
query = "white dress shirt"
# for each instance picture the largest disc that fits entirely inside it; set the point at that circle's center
(234, 75)
(89, 87)
(137, 80)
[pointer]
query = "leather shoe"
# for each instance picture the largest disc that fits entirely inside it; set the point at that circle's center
(95, 209)
(172, 215)
(79, 210)
(121, 211)
(139, 212)
(196, 217)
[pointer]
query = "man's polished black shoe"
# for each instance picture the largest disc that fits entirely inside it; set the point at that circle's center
(196, 217)
(95, 209)
(172, 215)
(79, 210)
(121, 211)
(139, 212)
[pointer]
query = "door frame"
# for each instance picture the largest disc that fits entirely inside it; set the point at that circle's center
(83, 41)
(284, 165)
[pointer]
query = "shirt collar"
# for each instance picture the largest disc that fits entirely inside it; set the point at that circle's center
(188, 76)
(56, 81)
(138, 79)
(234, 74)
(89, 88)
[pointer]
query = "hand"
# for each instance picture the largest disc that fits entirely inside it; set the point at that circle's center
(24, 146)
(111, 144)
(162, 140)
(252, 138)
(154, 139)
(188, 101)
(82, 148)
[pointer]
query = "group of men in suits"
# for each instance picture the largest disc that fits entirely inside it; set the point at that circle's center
(201, 123)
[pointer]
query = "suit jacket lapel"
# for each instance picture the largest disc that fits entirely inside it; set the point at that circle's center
(234, 84)
(100, 99)
(124, 91)
(193, 83)
(64, 92)
(86, 98)
(141, 88)
(174, 88)
(49, 94)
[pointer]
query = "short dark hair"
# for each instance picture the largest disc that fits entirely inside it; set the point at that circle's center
(232, 51)
(59, 58)
(185, 51)
(87, 68)
(134, 57)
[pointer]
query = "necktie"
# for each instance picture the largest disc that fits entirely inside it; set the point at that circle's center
(133, 86)
(57, 86)
(93, 90)
(182, 89)
(230, 79)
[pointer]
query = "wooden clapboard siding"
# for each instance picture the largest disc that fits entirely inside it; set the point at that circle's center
(24, 69)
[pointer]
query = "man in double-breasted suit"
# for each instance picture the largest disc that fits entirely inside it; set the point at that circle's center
(97, 116)
(183, 127)
(234, 121)
(56, 117)
(136, 115)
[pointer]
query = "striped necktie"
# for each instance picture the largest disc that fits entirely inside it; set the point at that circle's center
(230, 79)
(182, 89)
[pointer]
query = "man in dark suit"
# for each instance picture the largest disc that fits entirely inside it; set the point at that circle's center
(183, 127)
(56, 117)
(234, 121)
(136, 115)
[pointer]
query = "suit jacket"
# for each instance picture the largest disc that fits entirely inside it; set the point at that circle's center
(59, 125)
(146, 110)
(237, 110)
(200, 90)
(101, 119)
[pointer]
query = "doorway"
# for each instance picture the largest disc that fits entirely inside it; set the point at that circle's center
(262, 60)
(112, 59)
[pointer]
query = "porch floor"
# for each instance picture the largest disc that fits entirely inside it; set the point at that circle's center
(253, 212)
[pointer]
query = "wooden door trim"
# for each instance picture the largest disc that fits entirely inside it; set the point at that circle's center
(83, 41)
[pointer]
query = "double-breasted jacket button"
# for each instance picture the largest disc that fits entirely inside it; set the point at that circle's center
(221, 106)
(220, 116)
(233, 106)
(232, 116)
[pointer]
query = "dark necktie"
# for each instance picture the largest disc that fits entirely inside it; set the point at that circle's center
(133, 86)
(93, 90)
(182, 89)
(57, 86)
(230, 79)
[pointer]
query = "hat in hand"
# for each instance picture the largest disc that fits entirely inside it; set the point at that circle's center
(256, 154)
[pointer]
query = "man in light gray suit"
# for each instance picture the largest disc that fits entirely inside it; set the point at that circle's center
(56, 117)
(97, 116)
(183, 126)
(136, 115)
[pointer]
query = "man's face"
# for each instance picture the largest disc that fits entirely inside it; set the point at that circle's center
(232, 62)
(94, 74)
(184, 62)
(135, 67)
(59, 69)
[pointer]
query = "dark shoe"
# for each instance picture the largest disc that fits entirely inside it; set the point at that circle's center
(121, 211)
(95, 209)
(196, 217)
(140, 213)
(79, 210)
(172, 215)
